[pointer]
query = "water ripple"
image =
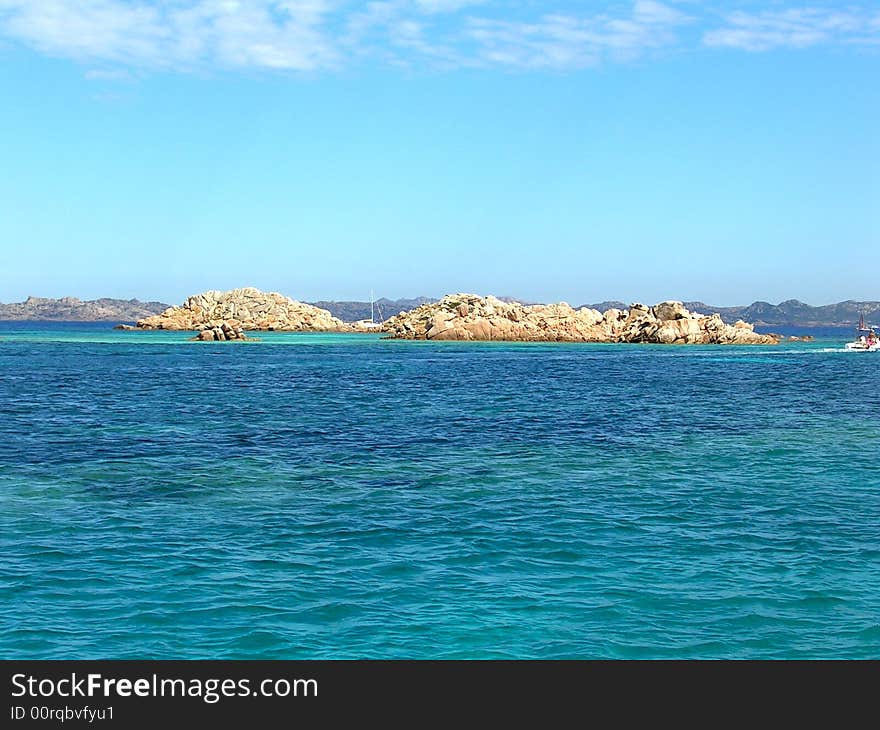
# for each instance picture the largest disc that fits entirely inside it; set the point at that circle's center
(326, 497)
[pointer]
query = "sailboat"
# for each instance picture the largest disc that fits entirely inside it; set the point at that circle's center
(867, 339)
(370, 324)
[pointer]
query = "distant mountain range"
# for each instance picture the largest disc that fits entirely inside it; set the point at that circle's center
(384, 308)
(71, 309)
(789, 313)
(792, 313)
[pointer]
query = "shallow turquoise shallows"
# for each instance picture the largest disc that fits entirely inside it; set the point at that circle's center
(314, 496)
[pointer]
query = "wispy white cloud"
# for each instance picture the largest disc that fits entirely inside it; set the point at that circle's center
(795, 28)
(569, 41)
(315, 35)
(487, 38)
(103, 29)
(175, 33)
(409, 33)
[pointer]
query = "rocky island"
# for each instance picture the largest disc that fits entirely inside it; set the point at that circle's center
(244, 309)
(221, 316)
(472, 317)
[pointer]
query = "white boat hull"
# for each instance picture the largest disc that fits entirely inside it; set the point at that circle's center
(862, 347)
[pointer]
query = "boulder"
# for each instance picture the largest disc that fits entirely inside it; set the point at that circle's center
(481, 329)
(670, 310)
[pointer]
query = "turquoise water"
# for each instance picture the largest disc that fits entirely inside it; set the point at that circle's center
(315, 496)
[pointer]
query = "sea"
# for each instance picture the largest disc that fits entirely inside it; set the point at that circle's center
(314, 496)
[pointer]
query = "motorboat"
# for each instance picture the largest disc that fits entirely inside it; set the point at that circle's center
(867, 338)
(863, 344)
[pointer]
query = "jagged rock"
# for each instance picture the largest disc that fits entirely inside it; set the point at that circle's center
(222, 332)
(244, 309)
(471, 317)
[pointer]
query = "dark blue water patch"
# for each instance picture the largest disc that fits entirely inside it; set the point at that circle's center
(841, 333)
(335, 497)
(17, 325)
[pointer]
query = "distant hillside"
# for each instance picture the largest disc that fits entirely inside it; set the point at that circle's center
(71, 309)
(795, 313)
(605, 306)
(789, 313)
(384, 308)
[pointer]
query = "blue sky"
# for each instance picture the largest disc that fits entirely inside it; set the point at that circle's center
(573, 151)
